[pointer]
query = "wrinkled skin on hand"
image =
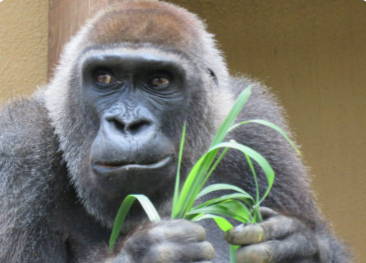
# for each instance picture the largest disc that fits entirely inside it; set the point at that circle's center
(277, 239)
(167, 241)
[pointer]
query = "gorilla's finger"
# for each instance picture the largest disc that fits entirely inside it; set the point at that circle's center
(201, 251)
(244, 234)
(275, 227)
(267, 212)
(171, 252)
(182, 229)
(259, 253)
(295, 246)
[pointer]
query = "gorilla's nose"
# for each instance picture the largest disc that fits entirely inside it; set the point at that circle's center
(134, 126)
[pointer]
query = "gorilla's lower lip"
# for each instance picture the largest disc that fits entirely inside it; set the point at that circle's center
(105, 168)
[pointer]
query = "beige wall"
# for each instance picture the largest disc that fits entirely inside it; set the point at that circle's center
(313, 54)
(23, 46)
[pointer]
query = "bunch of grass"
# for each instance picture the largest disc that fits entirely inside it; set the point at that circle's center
(238, 205)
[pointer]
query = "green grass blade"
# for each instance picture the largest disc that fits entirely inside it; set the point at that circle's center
(193, 184)
(254, 176)
(187, 193)
(221, 222)
(262, 162)
(235, 110)
(271, 125)
(238, 208)
(177, 180)
(219, 187)
(257, 197)
(233, 208)
(196, 178)
(217, 210)
(256, 215)
(120, 218)
(213, 167)
(233, 250)
(235, 196)
(122, 213)
(148, 207)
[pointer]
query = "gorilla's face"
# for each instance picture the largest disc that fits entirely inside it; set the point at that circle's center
(121, 128)
(137, 99)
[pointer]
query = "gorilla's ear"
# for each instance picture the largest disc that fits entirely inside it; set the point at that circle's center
(213, 75)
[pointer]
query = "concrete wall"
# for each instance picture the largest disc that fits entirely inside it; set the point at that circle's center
(23, 46)
(313, 55)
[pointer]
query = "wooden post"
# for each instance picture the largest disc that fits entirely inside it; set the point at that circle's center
(65, 19)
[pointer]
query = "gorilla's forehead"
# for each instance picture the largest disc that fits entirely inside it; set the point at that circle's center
(147, 22)
(149, 54)
(146, 51)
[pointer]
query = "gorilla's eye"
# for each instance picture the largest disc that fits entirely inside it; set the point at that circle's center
(104, 78)
(158, 82)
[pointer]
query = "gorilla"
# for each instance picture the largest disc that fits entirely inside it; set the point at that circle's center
(109, 124)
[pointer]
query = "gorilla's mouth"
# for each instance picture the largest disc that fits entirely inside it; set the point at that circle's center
(123, 165)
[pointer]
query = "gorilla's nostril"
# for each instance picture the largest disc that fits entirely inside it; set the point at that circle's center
(119, 125)
(130, 127)
(137, 126)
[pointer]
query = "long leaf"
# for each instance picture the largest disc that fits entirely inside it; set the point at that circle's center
(263, 163)
(271, 125)
(218, 211)
(236, 207)
(192, 188)
(257, 215)
(177, 179)
(233, 250)
(232, 208)
(235, 110)
(186, 194)
(123, 211)
(213, 167)
(219, 187)
(193, 183)
(221, 222)
(238, 196)
(195, 179)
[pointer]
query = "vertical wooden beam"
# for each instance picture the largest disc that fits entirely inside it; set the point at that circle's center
(65, 19)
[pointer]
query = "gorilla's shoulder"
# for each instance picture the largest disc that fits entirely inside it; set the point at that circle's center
(262, 103)
(25, 129)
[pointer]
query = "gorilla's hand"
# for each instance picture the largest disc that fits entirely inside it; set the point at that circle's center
(167, 241)
(278, 239)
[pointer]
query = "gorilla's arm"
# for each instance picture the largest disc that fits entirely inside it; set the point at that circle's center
(30, 176)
